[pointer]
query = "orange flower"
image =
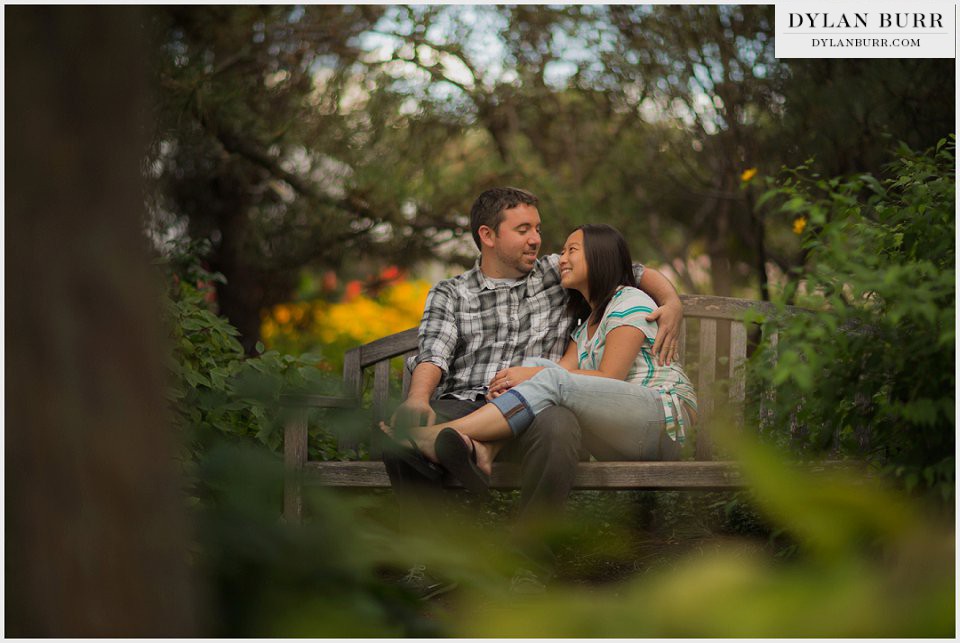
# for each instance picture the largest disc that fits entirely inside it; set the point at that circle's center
(799, 224)
(748, 174)
(281, 314)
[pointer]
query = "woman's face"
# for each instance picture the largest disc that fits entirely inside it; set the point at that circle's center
(573, 264)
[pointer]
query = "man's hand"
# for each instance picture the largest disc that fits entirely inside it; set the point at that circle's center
(668, 316)
(508, 378)
(666, 346)
(413, 412)
(416, 410)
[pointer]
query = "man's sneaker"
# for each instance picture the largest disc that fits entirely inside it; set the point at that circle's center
(527, 583)
(425, 586)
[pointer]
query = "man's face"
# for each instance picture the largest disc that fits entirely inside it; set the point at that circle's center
(516, 241)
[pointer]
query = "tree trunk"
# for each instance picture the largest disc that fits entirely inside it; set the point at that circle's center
(96, 534)
(242, 297)
(718, 247)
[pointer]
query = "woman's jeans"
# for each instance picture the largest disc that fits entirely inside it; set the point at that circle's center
(619, 420)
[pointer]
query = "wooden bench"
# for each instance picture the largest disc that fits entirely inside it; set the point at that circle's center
(712, 326)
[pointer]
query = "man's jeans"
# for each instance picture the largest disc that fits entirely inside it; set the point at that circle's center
(621, 420)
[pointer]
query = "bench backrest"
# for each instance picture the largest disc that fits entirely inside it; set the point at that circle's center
(713, 349)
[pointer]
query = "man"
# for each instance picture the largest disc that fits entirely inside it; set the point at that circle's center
(508, 307)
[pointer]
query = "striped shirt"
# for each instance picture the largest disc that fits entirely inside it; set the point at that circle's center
(629, 307)
(474, 326)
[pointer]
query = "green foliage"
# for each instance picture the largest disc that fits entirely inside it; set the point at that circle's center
(267, 577)
(868, 564)
(216, 391)
(870, 372)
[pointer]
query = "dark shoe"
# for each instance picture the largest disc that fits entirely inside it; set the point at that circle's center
(419, 582)
(409, 457)
(461, 461)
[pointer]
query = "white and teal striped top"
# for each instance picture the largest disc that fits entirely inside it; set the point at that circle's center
(629, 307)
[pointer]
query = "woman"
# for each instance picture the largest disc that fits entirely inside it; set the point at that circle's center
(629, 407)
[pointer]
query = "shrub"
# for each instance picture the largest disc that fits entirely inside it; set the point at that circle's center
(870, 372)
(216, 391)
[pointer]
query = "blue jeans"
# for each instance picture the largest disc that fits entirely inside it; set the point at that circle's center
(619, 420)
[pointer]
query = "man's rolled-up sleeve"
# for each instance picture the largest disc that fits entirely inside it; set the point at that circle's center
(438, 334)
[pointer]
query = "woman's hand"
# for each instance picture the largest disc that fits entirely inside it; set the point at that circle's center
(506, 379)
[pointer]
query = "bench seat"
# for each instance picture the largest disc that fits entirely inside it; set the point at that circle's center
(590, 475)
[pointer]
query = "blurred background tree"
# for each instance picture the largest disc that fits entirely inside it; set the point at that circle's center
(353, 138)
(96, 531)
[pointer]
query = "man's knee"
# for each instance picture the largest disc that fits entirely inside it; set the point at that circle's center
(452, 409)
(555, 426)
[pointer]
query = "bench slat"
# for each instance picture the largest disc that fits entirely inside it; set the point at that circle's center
(590, 475)
(682, 348)
(318, 401)
(352, 373)
(388, 347)
(381, 392)
(711, 307)
(768, 397)
(738, 356)
(708, 366)
(407, 375)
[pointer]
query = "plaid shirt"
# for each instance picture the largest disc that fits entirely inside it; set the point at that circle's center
(473, 326)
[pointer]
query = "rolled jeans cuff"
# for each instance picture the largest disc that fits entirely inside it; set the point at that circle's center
(516, 410)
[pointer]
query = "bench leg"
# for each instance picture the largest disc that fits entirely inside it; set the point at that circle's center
(294, 459)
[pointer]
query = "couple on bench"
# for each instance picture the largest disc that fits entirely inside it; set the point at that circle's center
(541, 360)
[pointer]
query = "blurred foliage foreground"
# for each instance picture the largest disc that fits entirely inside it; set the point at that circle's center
(867, 563)
(871, 368)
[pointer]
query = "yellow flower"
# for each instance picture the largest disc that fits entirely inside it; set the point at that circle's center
(356, 319)
(799, 224)
(748, 174)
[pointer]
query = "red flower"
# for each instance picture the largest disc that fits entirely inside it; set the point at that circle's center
(353, 290)
(390, 273)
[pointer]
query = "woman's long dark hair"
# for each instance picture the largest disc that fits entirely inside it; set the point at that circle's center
(608, 266)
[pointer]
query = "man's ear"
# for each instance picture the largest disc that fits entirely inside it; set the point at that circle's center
(487, 236)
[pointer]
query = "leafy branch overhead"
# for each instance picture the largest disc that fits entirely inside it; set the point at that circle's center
(330, 137)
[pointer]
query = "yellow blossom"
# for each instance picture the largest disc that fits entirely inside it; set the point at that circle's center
(356, 319)
(748, 174)
(799, 224)
(268, 329)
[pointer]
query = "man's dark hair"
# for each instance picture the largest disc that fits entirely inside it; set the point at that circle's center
(488, 208)
(608, 266)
